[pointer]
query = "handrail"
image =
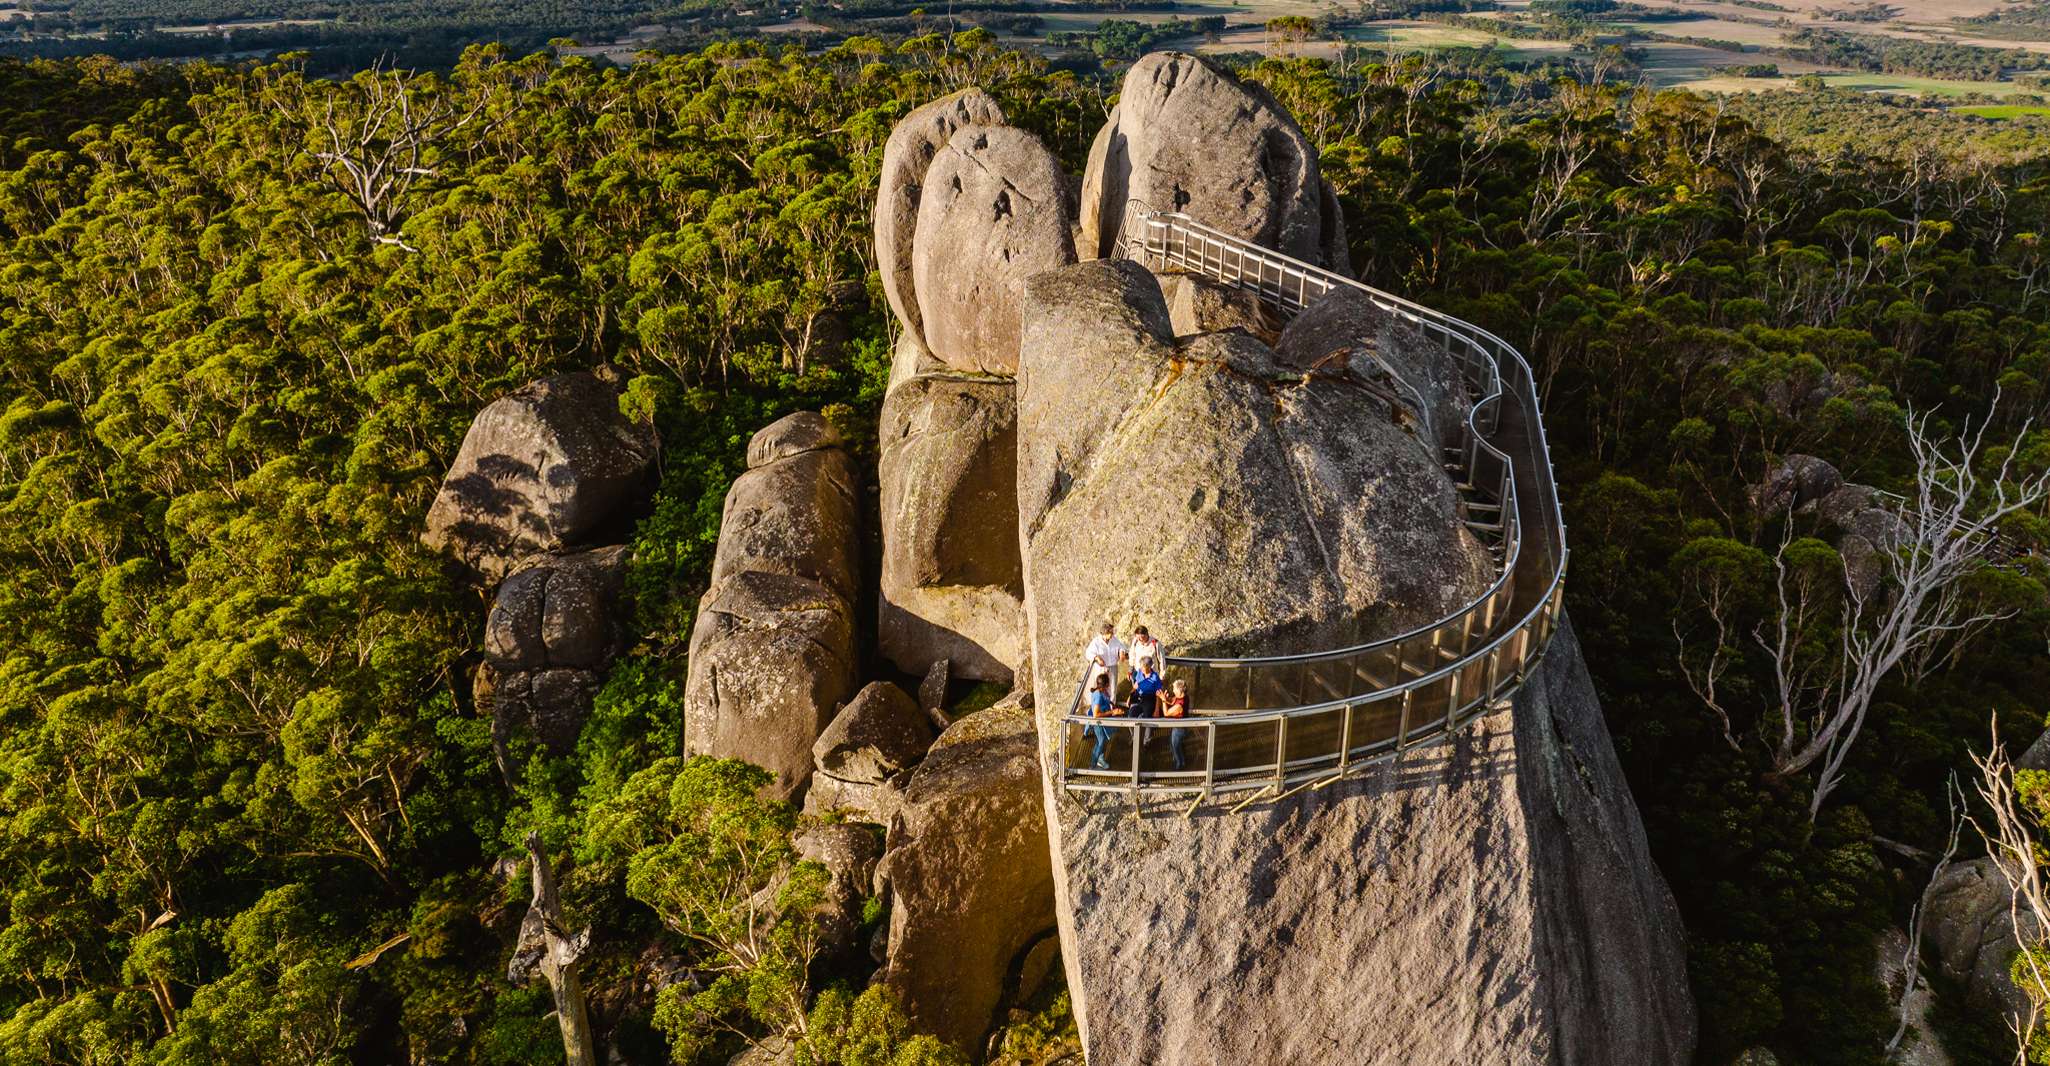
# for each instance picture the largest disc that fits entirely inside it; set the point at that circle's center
(1466, 678)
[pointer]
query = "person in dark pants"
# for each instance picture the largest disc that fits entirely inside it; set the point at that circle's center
(1176, 706)
(1100, 706)
(1146, 686)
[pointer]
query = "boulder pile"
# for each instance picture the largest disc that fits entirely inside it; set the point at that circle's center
(772, 656)
(544, 472)
(968, 209)
(1067, 439)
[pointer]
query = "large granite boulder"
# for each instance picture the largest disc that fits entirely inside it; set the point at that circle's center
(1196, 304)
(1967, 924)
(912, 144)
(1868, 526)
(1795, 481)
(772, 656)
(995, 212)
(952, 583)
(1346, 332)
(966, 869)
(1228, 503)
(880, 733)
(771, 659)
(795, 510)
(549, 705)
(1491, 897)
(1187, 136)
(849, 854)
(542, 468)
(552, 630)
(563, 612)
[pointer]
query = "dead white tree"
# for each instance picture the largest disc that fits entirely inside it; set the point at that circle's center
(1939, 537)
(546, 946)
(374, 138)
(2015, 846)
(1926, 546)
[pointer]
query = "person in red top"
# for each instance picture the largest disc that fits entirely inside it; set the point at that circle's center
(1176, 706)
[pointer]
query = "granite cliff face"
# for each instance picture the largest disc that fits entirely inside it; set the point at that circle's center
(1486, 899)
(1490, 896)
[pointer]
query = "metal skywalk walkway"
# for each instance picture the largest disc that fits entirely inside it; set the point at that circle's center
(1270, 725)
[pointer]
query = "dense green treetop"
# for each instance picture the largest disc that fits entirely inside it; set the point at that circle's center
(236, 752)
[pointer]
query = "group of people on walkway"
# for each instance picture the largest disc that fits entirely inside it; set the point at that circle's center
(1132, 670)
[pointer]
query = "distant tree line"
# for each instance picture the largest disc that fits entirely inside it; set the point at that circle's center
(1892, 55)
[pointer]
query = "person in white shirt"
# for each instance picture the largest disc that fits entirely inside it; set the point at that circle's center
(1104, 654)
(1145, 647)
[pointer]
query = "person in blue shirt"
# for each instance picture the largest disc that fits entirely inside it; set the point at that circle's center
(1146, 688)
(1100, 706)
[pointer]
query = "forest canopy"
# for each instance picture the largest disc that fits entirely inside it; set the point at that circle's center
(249, 814)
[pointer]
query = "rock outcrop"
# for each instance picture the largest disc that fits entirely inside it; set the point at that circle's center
(552, 630)
(794, 511)
(772, 656)
(880, 732)
(913, 143)
(546, 467)
(952, 587)
(1187, 136)
(1867, 524)
(1486, 899)
(1965, 920)
(966, 870)
(1795, 481)
(1230, 504)
(994, 212)
(1345, 332)
(849, 854)
(1918, 1046)
(968, 209)
(1199, 305)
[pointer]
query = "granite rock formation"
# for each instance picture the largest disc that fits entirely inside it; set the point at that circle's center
(912, 144)
(951, 582)
(881, 732)
(545, 467)
(1279, 508)
(1187, 136)
(994, 212)
(772, 656)
(968, 209)
(966, 870)
(552, 630)
(1199, 305)
(1346, 332)
(1793, 482)
(1966, 925)
(1491, 896)
(1488, 898)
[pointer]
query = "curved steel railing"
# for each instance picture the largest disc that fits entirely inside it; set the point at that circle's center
(1276, 723)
